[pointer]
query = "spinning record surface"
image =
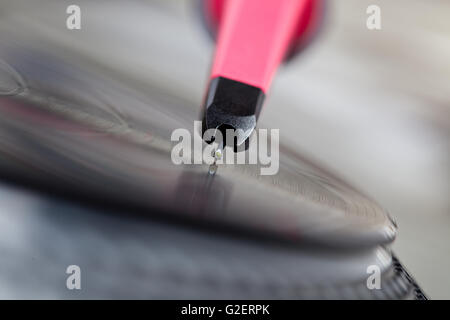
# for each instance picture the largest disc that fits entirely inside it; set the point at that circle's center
(83, 133)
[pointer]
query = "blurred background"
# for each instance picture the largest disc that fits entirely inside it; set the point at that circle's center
(373, 106)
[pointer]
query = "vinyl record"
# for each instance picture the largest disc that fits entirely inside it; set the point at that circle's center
(84, 133)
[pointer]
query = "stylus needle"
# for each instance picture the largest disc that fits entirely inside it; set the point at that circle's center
(217, 154)
(232, 105)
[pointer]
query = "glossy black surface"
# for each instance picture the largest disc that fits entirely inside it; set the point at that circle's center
(234, 105)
